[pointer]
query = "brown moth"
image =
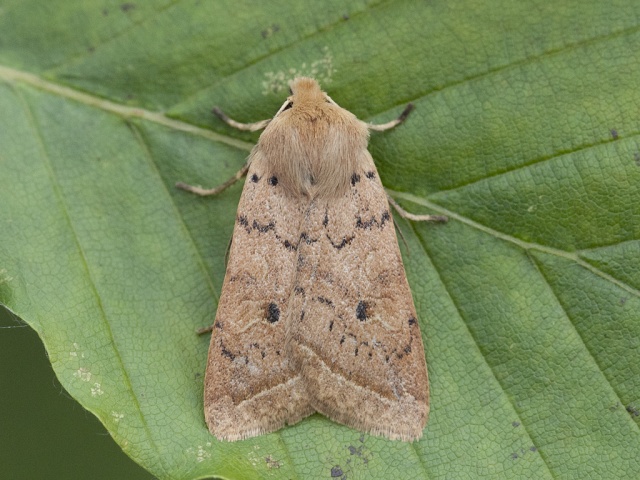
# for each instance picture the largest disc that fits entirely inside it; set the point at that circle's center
(315, 313)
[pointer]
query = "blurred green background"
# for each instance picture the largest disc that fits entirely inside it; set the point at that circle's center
(44, 433)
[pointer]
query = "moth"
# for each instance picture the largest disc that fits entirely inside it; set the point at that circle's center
(315, 314)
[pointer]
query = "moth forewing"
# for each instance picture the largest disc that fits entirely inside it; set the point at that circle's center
(353, 331)
(315, 313)
(251, 387)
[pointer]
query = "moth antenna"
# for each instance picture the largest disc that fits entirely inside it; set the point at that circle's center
(204, 192)
(249, 127)
(393, 123)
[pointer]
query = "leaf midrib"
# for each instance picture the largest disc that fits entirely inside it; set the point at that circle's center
(574, 257)
(13, 75)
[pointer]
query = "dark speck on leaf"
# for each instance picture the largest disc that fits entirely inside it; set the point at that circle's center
(614, 133)
(336, 471)
(125, 7)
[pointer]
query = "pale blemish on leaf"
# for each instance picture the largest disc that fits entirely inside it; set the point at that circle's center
(320, 69)
(83, 374)
(117, 416)
(76, 351)
(4, 277)
(96, 390)
(200, 453)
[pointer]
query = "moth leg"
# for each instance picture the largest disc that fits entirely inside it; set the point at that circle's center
(404, 240)
(416, 218)
(203, 330)
(251, 127)
(203, 192)
(386, 126)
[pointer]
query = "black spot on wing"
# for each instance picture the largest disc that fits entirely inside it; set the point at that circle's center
(361, 310)
(255, 178)
(304, 237)
(326, 301)
(343, 243)
(370, 175)
(273, 313)
(242, 220)
(373, 221)
(273, 181)
(288, 245)
(226, 353)
(263, 228)
(355, 178)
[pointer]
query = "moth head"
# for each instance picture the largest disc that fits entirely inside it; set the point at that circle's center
(305, 94)
(312, 144)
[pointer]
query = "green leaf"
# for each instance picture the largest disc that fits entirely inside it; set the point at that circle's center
(525, 133)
